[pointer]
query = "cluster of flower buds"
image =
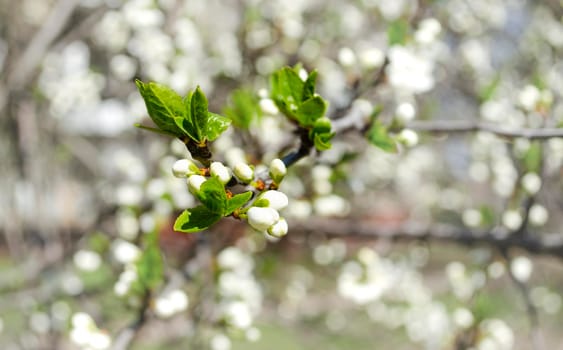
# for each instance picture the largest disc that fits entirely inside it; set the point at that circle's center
(185, 168)
(263, 215)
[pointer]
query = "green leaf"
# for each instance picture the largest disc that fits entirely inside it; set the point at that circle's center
(533, 157)
(379, 137)
(309, 86)
(322, 125)
(287, 90)
(376, 112)
(199, 113)
(216, 125)
(237, 201)
(489, 90)
(487, 215)
(212, 195)
(155, 130)
(163, 105)
(321, 135)
(261, 203)
(397, 32)
(322, 141)
(243, 108)
(149, 265)
(311, 110)
(195, 219)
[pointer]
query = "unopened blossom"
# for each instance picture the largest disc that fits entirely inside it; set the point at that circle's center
(277, 170)
(531, 182)
(408, 137)
(195, 182)
(243, 172)
(221, 172)
(408, 71)
(405, 112)
(184, 168)
(521, 268)
(279, 229)
(262, 218)
(538, 215)
(276, 199)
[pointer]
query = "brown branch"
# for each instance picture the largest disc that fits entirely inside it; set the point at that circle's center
(40, 43)
(536, 336)
(125, 337)
(467, 126)
(545, 244)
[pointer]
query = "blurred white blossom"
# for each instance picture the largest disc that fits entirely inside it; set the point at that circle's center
(409, 71)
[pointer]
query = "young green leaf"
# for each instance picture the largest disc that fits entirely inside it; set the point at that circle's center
(321, 135)
(155, 130)
(199, 114)
(487, 215)
(196, 219)
(309, 86)
(149, 266)
(163, 105)
(287, 90)
(322, 141)
(378, 136)
(397, 32)
(212, 195)
(533, 157)
(237, 201)
(243, 108)
(310, 111)
(216, 125)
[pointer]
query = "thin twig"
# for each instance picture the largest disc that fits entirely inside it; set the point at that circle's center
(536, 336)
(126, 336)
(544, 244)
(40, 43)
(467, 126)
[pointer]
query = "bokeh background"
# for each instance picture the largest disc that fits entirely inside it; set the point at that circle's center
(452, 242)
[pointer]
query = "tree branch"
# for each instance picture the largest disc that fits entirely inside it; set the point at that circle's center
(545, 244)
(536, 336)
(465, 126)
(126, 336)
(35, 51)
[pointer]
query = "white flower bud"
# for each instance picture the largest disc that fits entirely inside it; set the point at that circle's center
(531, 183)
(125, 252)
(277, 170)
(538, 215)
(262, 218)
(372, 58)
(221, 172)
(99, 340)
(346, 57)
(529, 97)
(268, 106)
(184, 168)
(471, 217)
(195, 182)
(405, 112)
(408, 137)
(276, 199)
(82, 320)
(521, 267)
(512, 219)
(243, 172)
(279, 229)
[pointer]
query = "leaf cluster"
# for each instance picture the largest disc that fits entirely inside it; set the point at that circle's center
(297, 100)
(215, 204)
(243, 108)
(187, 118)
